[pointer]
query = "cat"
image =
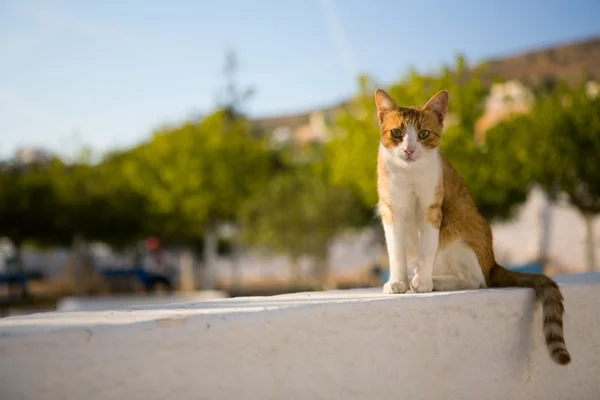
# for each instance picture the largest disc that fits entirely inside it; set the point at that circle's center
(429, 216)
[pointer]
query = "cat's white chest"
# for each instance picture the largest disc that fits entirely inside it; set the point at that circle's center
(413, 189)
(405, 198)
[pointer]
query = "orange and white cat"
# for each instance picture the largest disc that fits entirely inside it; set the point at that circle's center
(431, 221)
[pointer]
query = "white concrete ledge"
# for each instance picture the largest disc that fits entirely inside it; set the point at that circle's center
(359, 344)
(104, 303)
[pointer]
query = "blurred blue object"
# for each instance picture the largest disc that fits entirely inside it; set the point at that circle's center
(535, 267)
(138, 273)
(15, 278)
(148, 280)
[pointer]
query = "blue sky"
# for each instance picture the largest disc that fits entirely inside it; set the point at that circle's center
(106, 73)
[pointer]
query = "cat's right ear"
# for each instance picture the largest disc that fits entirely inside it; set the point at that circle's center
(384, 103)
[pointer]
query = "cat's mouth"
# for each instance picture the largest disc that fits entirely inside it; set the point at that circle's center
(409, 159)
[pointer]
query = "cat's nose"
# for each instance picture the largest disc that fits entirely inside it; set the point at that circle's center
(409, 151)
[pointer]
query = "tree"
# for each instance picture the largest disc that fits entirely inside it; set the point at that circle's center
(197, 175)
(299, 213)
(491, 170)
(564, 143)
(352, 151)
(231, 98)
(555, 146)
(29, 206)
(99, 204)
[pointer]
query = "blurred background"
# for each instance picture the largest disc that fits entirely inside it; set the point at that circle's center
(153, 151)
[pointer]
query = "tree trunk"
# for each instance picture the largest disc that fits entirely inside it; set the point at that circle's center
(21, 268)
(236, 276)
(546, 225)
(294, 270)
(78, 260)
(322, 270)
(590, 242)
(210, 257)
(187, 278)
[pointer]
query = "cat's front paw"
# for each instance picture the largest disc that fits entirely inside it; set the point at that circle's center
(421, 284)
(396, 287)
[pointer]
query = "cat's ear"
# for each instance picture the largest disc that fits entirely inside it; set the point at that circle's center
(384, 102)
(439, 105)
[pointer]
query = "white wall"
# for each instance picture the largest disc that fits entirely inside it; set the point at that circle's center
(517, 241)
(360, 344)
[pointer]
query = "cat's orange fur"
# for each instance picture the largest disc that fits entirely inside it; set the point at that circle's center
(453, 212)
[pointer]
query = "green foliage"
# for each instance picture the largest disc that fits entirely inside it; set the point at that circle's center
(556, 145)
(98, 204)
(49, 203)
(492, 171)
(299, 212)
(197, 173)
(30, 208)
(173, 186)
(565, 144)
(352, 153)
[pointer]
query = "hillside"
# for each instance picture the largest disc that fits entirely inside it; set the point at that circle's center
(570, 61)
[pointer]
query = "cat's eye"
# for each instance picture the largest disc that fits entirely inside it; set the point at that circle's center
(396, 133)
(424, 134)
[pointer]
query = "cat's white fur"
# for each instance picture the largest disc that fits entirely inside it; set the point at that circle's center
(412, 181)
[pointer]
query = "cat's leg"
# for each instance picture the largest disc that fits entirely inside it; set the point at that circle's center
(430, 211)
(422, 280)
(395, 237)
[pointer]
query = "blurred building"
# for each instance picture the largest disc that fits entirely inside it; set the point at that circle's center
(506, 99)
(30, 155)
(297, 129)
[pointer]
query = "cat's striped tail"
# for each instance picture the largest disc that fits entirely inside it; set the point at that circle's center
(549, 295)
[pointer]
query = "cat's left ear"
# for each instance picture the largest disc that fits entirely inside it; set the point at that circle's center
(384, 102)
(439, 105)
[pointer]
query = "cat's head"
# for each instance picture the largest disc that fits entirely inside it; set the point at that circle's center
(411, 133)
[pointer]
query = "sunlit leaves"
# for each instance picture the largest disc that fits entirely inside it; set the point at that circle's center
(198, 171)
